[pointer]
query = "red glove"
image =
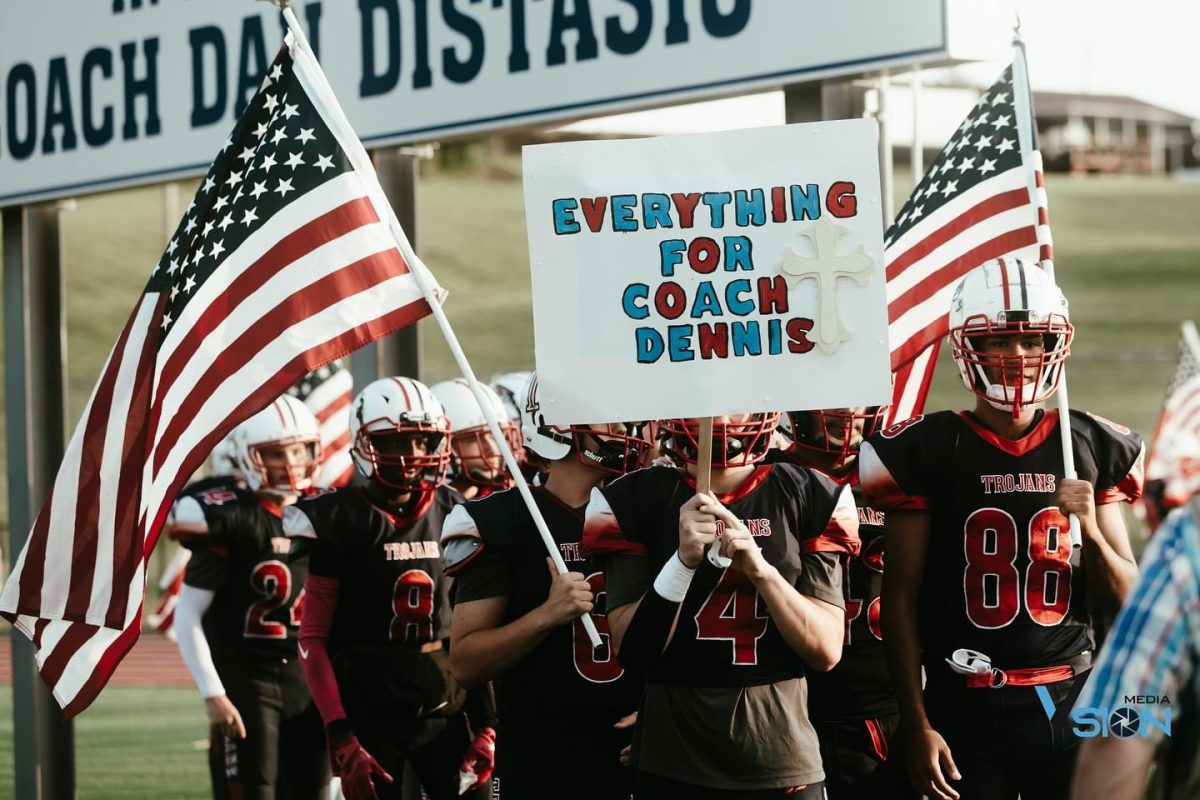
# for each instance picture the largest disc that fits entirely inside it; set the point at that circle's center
(480, 758)
(357, 769)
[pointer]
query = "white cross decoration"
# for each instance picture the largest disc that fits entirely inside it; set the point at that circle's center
(825, 268)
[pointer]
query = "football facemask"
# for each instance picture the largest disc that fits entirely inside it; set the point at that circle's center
(477, 458)
(736, 442)
(835, 431)
(414, 459)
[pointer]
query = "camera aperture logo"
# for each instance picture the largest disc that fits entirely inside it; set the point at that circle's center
(1140, 716)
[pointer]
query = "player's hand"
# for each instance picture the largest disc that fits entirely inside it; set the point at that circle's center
(357, 768)
(697, 529)
(480, 759)
(224, 718)
(930, 764)
(737, 544)
(626, 754)
(570, 596)
(1079, 498)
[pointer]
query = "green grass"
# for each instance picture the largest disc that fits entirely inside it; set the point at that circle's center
(132, 744)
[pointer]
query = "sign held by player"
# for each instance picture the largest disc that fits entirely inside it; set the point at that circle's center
(718, 273)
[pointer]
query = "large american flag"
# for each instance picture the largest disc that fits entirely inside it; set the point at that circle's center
(288, 257)
(975, 203)
(1179, 420)
(327, 393)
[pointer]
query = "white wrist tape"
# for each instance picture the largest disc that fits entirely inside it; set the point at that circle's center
(674, 579)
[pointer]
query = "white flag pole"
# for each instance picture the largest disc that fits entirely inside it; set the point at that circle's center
(423, 278)
(1023, 105)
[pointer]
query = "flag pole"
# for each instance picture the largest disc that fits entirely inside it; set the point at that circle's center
(704, 482)
(1023, 105)
(421, 275)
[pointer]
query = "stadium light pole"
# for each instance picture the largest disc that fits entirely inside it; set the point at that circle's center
(35, 367)
(398, 353)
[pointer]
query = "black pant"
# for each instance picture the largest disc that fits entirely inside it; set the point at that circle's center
(655, 787)
(863, 759)
(1002, 741)
(434, 746)
(549, 761)
(284, 753)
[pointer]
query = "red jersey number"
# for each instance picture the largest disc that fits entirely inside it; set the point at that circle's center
(412, 608)
(731, 613)
(872, 559)
(991, 580)
(273, 581)
(599, 665)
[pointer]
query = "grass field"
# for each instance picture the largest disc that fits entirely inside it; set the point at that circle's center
(132, 744)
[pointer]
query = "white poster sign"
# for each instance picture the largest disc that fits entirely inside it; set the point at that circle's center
(708, 274)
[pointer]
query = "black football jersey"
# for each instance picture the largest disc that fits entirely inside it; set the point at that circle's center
(803, 521)
(562, 678)
(998, 577)
(245, 560)
(859, 687)
(389, 569)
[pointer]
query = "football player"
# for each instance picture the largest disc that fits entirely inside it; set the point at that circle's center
(376, 610)
(476, 467)
(237, 615)
(853, 706)
(726, 638)
(516, 620)
(981, 586)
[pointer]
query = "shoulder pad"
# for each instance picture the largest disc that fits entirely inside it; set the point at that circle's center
(297, 525)
(602, 534)
(187, 518)
(879, 487)
(461, 541)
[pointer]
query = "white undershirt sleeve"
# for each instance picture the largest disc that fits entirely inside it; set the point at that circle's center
(189, 611)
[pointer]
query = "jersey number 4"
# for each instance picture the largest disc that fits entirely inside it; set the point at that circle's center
(273, 580)
(991, 580)
(732, 613)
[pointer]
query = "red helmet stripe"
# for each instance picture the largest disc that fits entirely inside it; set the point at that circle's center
(403, 391)
(275, 405)
(1004, 282)
(1024, 287)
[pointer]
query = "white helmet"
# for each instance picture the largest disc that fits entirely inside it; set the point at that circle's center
(286, 421)
(510, 386)
(613, 452)
(1001, 298)
(399, 407)
(476, 459)
(223, 458)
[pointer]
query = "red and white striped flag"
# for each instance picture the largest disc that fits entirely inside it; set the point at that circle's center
(288, 257)
(327, 392)
(1177, 436)
(974, 204)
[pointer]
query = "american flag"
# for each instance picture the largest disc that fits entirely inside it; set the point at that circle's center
(327, 392)
(288, 257)
(1180, 416)
(974, 204)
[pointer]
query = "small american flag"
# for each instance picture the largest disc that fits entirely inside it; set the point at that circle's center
(974, 204)
(327, 393)
(1180, 416)
(288, 258)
